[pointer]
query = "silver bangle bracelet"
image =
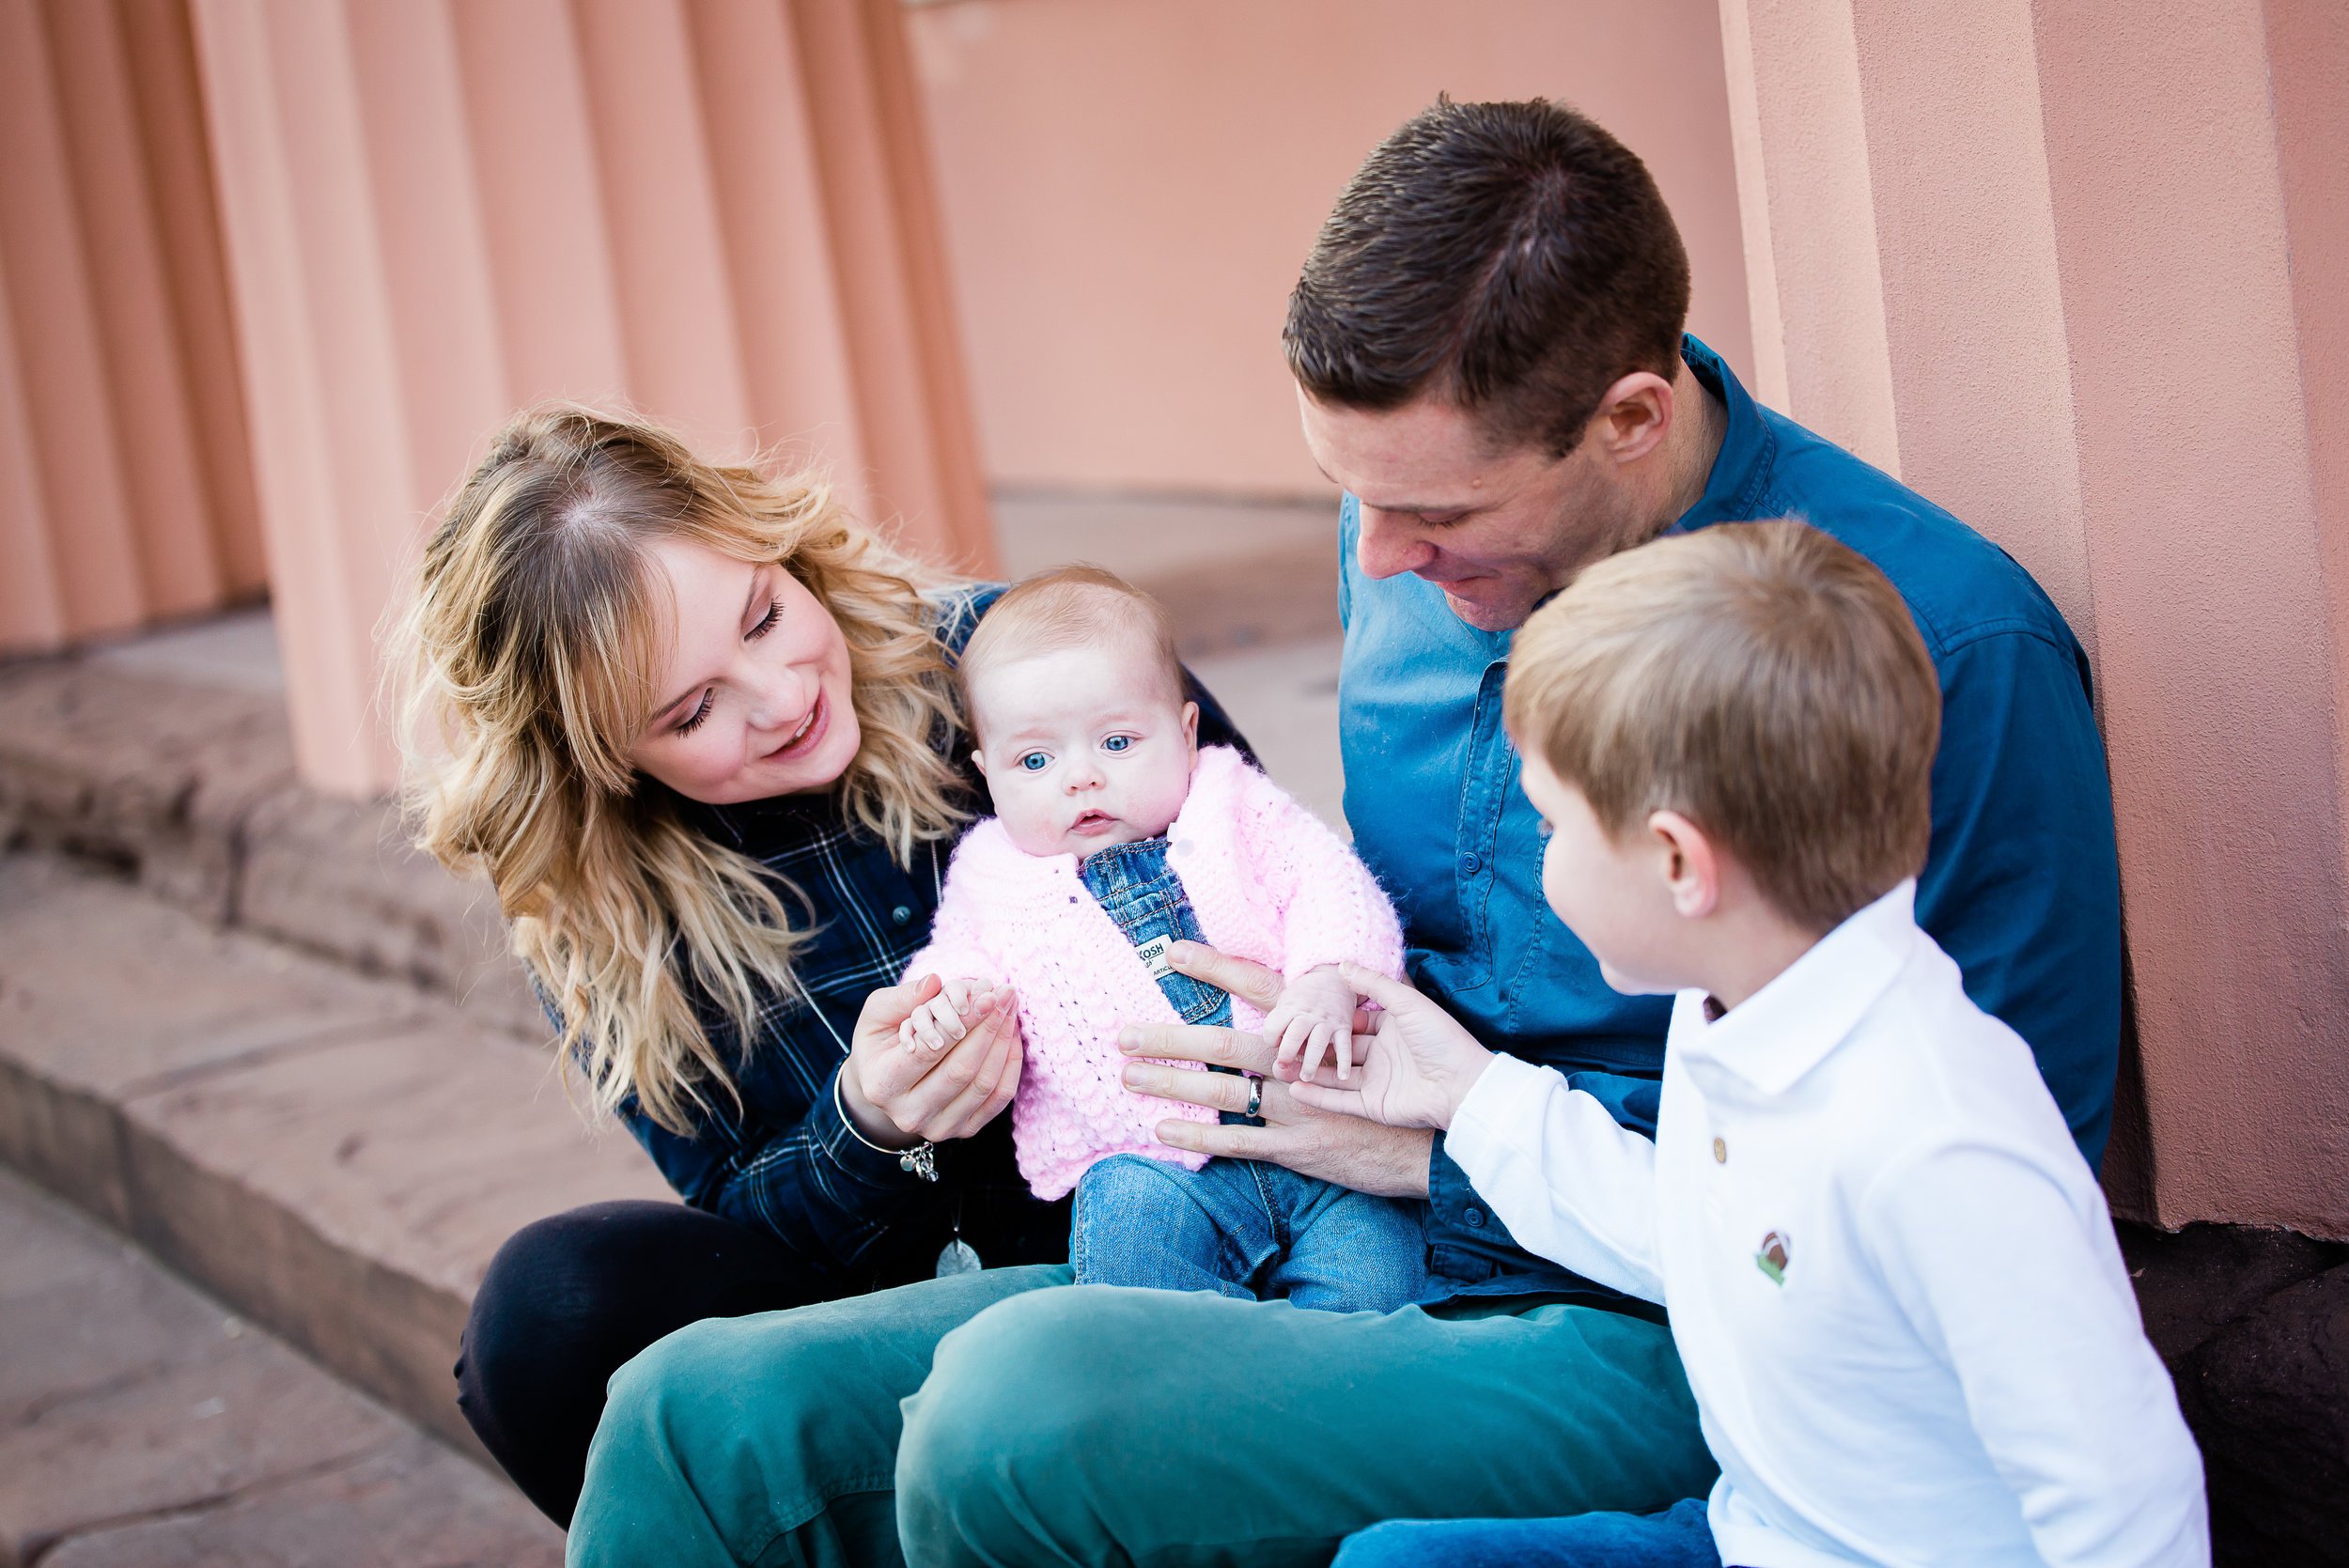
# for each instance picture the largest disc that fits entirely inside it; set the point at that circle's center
(920, 1160)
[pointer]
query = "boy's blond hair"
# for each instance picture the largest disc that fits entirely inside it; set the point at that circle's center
(1068, 607)
(1762, 679)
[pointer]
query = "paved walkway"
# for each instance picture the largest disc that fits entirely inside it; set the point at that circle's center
(144, 1423)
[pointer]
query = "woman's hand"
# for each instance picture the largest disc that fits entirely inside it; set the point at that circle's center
(1420, 1064)
(1332, 1147)
(900, 1094)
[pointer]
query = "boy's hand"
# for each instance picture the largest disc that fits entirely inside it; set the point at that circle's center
(1314, 1017)
(946, 1017)
(1418, 1065)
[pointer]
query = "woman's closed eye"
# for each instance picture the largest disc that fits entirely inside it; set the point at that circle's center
(693, 720)
(766, 623)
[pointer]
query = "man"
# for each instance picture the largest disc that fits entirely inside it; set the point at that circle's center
(1487, 342)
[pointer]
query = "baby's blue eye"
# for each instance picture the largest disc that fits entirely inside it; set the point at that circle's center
(1117, 742)
(1035, 762)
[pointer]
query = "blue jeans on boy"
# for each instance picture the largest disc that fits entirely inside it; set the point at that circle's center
(1238, 1227)
(1678, 1538)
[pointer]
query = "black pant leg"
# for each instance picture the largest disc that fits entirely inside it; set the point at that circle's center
(569, 1298)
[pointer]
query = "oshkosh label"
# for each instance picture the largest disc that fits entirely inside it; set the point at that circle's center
(1154, 954)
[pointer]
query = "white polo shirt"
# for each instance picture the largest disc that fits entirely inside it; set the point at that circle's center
(1889, 1273)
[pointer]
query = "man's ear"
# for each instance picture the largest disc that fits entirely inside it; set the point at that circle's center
(1692, 868)
(1634, 416)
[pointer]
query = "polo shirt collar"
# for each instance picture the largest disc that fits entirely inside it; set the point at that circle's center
(1741, 470)
(1785, 1029)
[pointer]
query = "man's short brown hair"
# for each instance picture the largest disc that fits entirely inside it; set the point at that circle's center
(1512, 258)
(1069, 607)
(1764, 681)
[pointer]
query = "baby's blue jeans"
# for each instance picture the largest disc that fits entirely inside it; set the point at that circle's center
(1239, 1227)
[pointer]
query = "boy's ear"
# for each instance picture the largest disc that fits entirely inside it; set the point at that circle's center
(1692, 867)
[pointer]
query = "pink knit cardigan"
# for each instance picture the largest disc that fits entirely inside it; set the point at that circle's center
(1268, 880)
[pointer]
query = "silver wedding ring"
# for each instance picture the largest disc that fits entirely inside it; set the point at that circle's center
(1256, 1096)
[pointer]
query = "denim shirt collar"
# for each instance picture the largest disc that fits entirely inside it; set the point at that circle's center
(1741, 470)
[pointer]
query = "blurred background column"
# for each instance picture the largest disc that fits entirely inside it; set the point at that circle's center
(125, 490)
(2075, 270)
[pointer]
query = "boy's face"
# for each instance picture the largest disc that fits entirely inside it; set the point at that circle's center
(1083, 748)
(1613, 893)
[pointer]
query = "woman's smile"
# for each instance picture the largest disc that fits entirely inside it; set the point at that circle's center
(807, 737)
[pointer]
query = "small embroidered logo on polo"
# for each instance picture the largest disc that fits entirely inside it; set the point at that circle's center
(1771, 1259)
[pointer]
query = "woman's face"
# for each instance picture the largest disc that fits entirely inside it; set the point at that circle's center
(756, 686)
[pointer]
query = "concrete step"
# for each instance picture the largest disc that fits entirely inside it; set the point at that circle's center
(187, 786)
(336, 1156)
(142, 1423)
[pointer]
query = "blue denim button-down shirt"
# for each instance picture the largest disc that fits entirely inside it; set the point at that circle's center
(2021, 885)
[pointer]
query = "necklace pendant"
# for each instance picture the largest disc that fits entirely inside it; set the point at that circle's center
(958, 1257)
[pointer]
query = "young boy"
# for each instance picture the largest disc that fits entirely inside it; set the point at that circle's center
(1891, 1278)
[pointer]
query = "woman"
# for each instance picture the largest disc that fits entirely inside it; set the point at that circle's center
(696, 727)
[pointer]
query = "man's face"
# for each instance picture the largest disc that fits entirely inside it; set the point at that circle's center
(1497, 529)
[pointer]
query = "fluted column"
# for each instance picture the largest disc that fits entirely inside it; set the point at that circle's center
(2094, 228)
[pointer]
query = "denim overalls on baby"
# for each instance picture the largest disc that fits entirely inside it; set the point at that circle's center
(1239, 1227)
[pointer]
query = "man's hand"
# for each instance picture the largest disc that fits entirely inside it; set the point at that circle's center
(1390, 1162)
(1419, 1065)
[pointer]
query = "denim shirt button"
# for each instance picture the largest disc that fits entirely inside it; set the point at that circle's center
(1475, 1218)
(901, 914)
(1471, 863)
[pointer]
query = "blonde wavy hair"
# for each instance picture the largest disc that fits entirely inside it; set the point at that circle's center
(533, 646)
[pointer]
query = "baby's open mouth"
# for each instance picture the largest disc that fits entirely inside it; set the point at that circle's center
(1091, 822)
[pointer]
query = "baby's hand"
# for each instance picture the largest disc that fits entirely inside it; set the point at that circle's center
(946, 1017)
(1314, 1016)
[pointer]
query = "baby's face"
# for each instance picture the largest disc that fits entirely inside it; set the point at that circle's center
(1083, 748)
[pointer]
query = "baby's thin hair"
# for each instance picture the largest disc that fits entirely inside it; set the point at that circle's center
(1068, 607)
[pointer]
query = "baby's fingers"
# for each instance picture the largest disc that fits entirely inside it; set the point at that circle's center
(1316, 1048)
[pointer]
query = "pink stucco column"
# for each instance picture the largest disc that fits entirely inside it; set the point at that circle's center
(127, 493)
(436, 211)
(2088, 233)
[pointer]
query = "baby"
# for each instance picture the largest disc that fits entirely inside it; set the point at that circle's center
(1115, 838)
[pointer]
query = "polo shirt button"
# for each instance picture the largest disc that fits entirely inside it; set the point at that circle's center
(1721, 1152)
(1475, 1218)
(1471, 863)
(901, 914)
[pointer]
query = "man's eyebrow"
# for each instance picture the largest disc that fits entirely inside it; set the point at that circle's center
(665, 708)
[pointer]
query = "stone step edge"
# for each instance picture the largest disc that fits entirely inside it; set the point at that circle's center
(190, 790)
(384, 1331)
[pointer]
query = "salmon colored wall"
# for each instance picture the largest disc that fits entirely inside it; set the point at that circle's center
(126, 494)
(2075, 271)
(1129, 187)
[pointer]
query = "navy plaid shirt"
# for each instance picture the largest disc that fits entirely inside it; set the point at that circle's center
(784, 1162)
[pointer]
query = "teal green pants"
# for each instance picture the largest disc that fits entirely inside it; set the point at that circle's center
(983, 1419)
